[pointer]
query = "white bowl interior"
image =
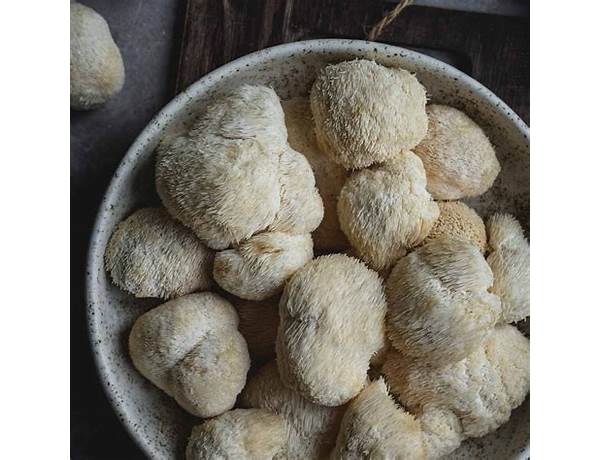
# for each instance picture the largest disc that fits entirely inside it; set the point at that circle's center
(154, 420)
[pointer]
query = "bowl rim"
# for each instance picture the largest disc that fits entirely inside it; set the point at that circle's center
(154, 127)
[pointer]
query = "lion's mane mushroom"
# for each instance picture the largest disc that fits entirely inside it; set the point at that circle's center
(386, 209)
(459, 159)
(509, 261)
(366, 113)
(481, 390)
(151, 255)
(97, 71)
(373, 426)
(311, 429)
(459, 221)
(253, 434)
(190, 348)
(259, 267)
(442, 431)
(332, 311)
(329, 176)
(258, 324)
(440, 309)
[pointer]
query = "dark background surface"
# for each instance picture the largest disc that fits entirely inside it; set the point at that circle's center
(168, 44)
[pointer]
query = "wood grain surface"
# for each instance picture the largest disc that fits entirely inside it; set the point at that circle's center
(493, 49)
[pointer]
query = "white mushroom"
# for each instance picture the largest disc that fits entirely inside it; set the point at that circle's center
(375, 427)
(329, 176)
(259, 267)
(386, 209)
(252, 434)
(151, 255)
(190, 348)
(311, 429)
(331, 323)
(222, 180)
(442, 431)
(97, 71)
(459, 159)
(481, 390)
(440, 309)
(366, 113)
(459, 221)
(301, 208)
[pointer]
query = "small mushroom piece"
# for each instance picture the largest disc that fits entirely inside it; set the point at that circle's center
(459, 221)
(191, 349)
(375, 427)
(459, 159)
(442, 431)
(509, 261)
(329, 176)
(151, 255)
(331, 312)
(258, 324)
(259, 267)
(222, 180)
(97, 71)
(386, 209)
(481, 390)
(252, 434)
(301, 208)
(366, 113)
(311, 429)
(440, 309)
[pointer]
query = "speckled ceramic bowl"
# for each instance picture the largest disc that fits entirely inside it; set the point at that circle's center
(153, 419)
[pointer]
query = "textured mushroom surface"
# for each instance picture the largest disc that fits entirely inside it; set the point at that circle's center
(258, 268)
(329, 176)
(252, 434)
(311, 429)
(386, 209)
(375, 427)
(440, 309)
(459, 159)
(481, 390)
(152, 255)
(301, 207)
(97, 71)
(509, 261)
(222, 180)
(442, 431)
(258, 324)
(190, 348)
(459, 221)
(331, 322)
(366, 113)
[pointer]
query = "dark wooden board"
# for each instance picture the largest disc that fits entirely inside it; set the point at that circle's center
(493, 49)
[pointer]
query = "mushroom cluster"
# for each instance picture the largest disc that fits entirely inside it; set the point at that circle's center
(358, 310)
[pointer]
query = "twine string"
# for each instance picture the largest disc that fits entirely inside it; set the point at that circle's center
(377, 29)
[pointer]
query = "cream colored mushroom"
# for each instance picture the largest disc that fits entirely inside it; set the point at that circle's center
(459, 159)
(459, 221)
(258, 324)
(151, 255)
(440, 309)
(375, 427)
(329, 176)
(331, 322)
(97, 71)
(509, 261)
(311, 429)
(301, 207)
(442, 431)
(222, 180)
(386, 209)
(252, 434)
(190, 348)
(481, 390)
(259, 267)
(366, 113)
